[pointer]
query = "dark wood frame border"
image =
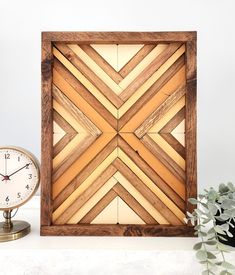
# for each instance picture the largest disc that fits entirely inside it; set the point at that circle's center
(47, 228)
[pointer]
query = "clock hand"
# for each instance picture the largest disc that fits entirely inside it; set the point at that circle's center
(15, 172)
(2, 175)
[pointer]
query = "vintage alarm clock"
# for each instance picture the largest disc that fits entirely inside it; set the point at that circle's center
(19, 180)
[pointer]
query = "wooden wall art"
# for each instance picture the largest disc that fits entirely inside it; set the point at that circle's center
(118, 133)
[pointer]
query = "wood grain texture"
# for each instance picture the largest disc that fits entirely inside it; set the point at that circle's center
(47, 133)
(117, 121)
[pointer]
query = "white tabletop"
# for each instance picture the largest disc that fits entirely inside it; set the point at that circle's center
(36, 255)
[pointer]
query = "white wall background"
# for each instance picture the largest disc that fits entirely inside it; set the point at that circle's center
(21, 23)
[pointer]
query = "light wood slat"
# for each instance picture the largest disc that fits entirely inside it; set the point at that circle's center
(163, 120)
(154, 102)
(143, 65)
(174, 143)
(81, 104)
(60, 145)
(66, 127)
(107, 112)
(109, 70)
(153, 186)
(155, 164)
(88, 171)
(174, 122)
(136, 59)
(99, 207)
(81, 162)
(170, 151)
(86, 195)
(147, 72)
(84, 81)
(133, 204)
(164, 157)
(89, 74)
(143, 169)
(92, 201)
(75, 112)
(82, 185)
(161, 111)
(146, 192)
(97, 70)
(166, 68)
(125, 112)
(70, 154)
(139, 197)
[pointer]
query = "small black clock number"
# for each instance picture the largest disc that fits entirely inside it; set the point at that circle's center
(27, 187)
(7, 156)
(18, 195)
(27, 166)
(18, 159)
(30, 176)
(7, 199)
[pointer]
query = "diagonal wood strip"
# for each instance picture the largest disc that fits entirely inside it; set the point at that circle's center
(174, 122)
(134, 204)
(155, 88)
(85, 173)
(147, 193)
(136, 59)
(174, 143)
(159, 182)
(160, 111)
(89, 74)
(104, 111)
(99, 207)
(75, 112)
(164, 158)
(117, 77)
(147, 72)
(86, 195)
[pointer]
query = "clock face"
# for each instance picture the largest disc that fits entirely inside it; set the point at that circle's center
(19, 177)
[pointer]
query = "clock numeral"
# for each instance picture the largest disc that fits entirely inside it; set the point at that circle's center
(30, 176)
(19, 159)
(7, 199)
(27, 166)
(18, 195)
(7, 156)
(27, 186)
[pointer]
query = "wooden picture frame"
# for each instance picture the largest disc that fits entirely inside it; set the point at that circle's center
(48, 227)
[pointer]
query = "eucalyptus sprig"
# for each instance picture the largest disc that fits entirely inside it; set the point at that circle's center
(212, 206)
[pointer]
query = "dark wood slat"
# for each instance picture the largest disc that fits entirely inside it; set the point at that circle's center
(46, 134)
(134, 204)
(151, 174)
(174, 143)
(77, 181)
(174, 122)
(99, 207)
(86, 195)
(136, 59)
(160, 111)
(99, 60)
(118, 37)
(89, 74)
(63, 123)
(191, 124)
(149, 70)
(145, 230)
(164, 158)
(83, 92)
(156, 87)
(146, 192)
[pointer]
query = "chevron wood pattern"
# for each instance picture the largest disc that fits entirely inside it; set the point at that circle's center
(119, 135)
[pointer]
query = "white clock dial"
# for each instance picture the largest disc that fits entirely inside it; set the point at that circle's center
(19, 177)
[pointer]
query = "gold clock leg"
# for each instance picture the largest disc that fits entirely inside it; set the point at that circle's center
(12, 230)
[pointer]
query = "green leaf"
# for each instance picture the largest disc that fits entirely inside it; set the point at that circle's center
(231, 187)
(189, 214)
(228, 204)
(211, 256)
(224, 217)
(211, 231)
(224, 227)
(229, 234)
(227, 265)
(197, 246)
(211, 242)
(225, 272)
(205, 272)
(206, 221)
(212, 208)
(222, 238)
(219, 230)
(193, 200)
(201, 255)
